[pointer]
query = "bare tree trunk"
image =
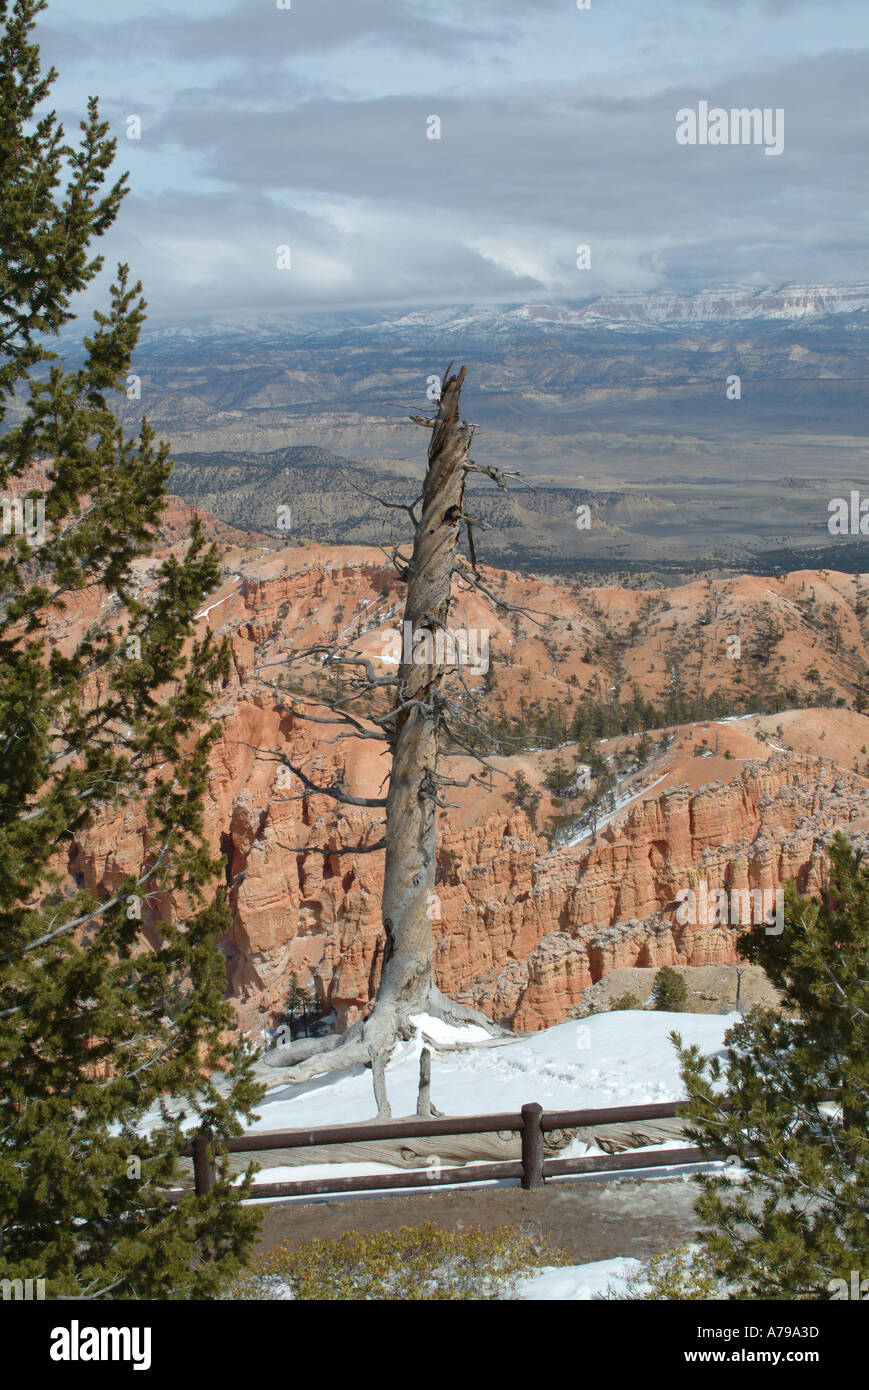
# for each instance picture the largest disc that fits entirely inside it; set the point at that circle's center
(409, 873)
(378, 1072)
(424, 1107)
(406, 985)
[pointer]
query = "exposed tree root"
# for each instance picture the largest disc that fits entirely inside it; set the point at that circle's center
(386, 1026)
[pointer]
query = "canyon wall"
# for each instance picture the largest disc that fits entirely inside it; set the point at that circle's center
(521, 930)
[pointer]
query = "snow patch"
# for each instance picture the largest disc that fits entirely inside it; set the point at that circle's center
(623, 1058)
(205, 612)
(620, 805)
(577, 1283)
(444, 1034)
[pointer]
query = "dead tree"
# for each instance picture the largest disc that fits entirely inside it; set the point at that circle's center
(422, 711)
(424, 1108)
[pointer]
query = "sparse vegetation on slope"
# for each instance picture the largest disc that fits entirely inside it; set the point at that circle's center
(414, 1263)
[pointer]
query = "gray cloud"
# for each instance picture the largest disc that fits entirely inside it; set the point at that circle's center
(256, 31)
(272, 152)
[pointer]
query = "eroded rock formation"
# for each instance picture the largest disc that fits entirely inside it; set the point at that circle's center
(521, 929)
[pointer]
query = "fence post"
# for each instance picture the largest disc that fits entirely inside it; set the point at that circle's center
(203, 1172)
(532, 1147)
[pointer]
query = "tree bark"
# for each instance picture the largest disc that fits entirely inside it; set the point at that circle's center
(424, 1107)
(406, 984)
(378, 1072)
(409, 872)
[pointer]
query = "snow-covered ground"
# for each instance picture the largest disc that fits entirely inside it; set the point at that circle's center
(621, 803)
(622, 1058)
(573, 1283)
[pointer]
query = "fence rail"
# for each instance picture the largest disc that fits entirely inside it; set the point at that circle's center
(532, 1123)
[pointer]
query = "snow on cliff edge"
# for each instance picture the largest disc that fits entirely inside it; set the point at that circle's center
(622, 1058)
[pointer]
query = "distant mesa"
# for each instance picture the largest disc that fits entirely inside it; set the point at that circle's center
(718, 303)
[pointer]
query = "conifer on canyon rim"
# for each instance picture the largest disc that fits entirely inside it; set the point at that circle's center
(97, 1023)
(790, 1099)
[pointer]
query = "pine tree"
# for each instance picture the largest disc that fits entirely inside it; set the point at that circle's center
(525, 797)
(559, 777)
(624, 1001)
(107, 1007)
(669, 992)
(301, 1007)
(792, 1102)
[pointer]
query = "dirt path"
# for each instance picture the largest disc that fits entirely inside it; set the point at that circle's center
(588, 1220)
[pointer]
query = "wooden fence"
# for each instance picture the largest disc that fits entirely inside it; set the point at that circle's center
(532, 1122)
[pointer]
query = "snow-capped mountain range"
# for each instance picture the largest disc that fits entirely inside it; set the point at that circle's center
(717, 304)
(721, 303)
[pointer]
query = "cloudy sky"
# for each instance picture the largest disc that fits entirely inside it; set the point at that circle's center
(306, 127)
